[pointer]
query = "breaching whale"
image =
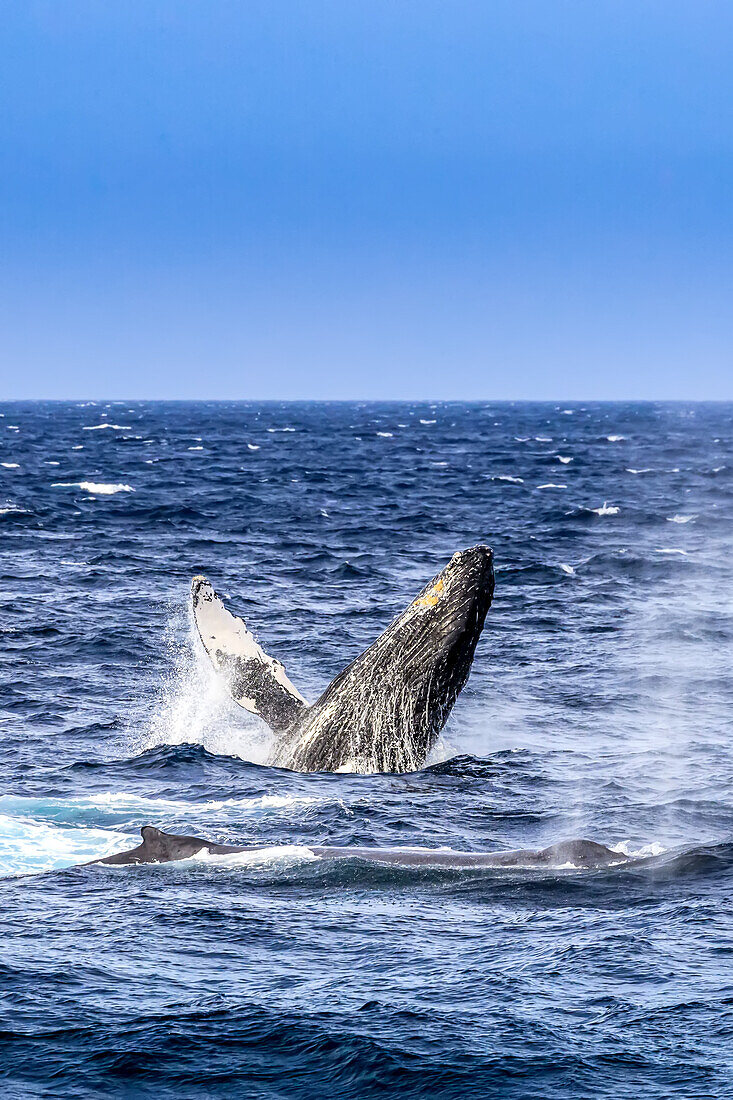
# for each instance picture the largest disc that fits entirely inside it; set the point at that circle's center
(384, 712)
(160, 847)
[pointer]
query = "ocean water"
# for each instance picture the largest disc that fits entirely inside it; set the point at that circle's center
(599, 706)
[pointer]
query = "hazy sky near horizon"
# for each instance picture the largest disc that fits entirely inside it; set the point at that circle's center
(366, 198)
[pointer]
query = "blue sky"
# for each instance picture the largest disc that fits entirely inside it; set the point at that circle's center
(366, 198)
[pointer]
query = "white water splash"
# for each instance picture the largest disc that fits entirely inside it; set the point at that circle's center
(196, 708)
(28, 847)
(277, 856)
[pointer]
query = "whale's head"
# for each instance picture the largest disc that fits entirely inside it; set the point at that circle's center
(468, 577)
(442, 625)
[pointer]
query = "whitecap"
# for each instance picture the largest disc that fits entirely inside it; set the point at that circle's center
(10, 465)
(50, 462)
(78, 447)
(253, 446)
(428, 421)
(606, 509)
(643, 470)
(281, 429)
(386, 435)
(615, 438)
(680, 519)
(543, 439)
(195, 448)
(551, 485)
(114, 427)
(670, 550)
(508, 477)
(565, 459)
(100, 488)
(624, 848)
(567, 569)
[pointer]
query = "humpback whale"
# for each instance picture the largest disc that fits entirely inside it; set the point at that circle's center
(160, 847)
(384, 712)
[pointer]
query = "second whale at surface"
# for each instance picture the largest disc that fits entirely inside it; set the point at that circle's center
(160, 847)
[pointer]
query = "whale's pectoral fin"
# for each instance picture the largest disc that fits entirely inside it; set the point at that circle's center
(257, 682)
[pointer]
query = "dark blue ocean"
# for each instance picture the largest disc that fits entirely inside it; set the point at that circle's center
(599, 706)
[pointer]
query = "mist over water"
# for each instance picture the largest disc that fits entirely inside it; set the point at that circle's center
(599, 706)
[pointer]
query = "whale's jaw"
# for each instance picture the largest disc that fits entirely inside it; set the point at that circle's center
(384, 712)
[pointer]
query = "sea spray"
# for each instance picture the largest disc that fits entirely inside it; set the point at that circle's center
(194, 706)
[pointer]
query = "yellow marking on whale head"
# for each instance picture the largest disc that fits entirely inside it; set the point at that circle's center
(432, 596)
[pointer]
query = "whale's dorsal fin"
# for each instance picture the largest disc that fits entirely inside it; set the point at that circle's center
(160, 847)
(257, 682)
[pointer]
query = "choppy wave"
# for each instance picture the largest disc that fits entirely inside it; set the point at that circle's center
(599, 706)
(112, 807)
